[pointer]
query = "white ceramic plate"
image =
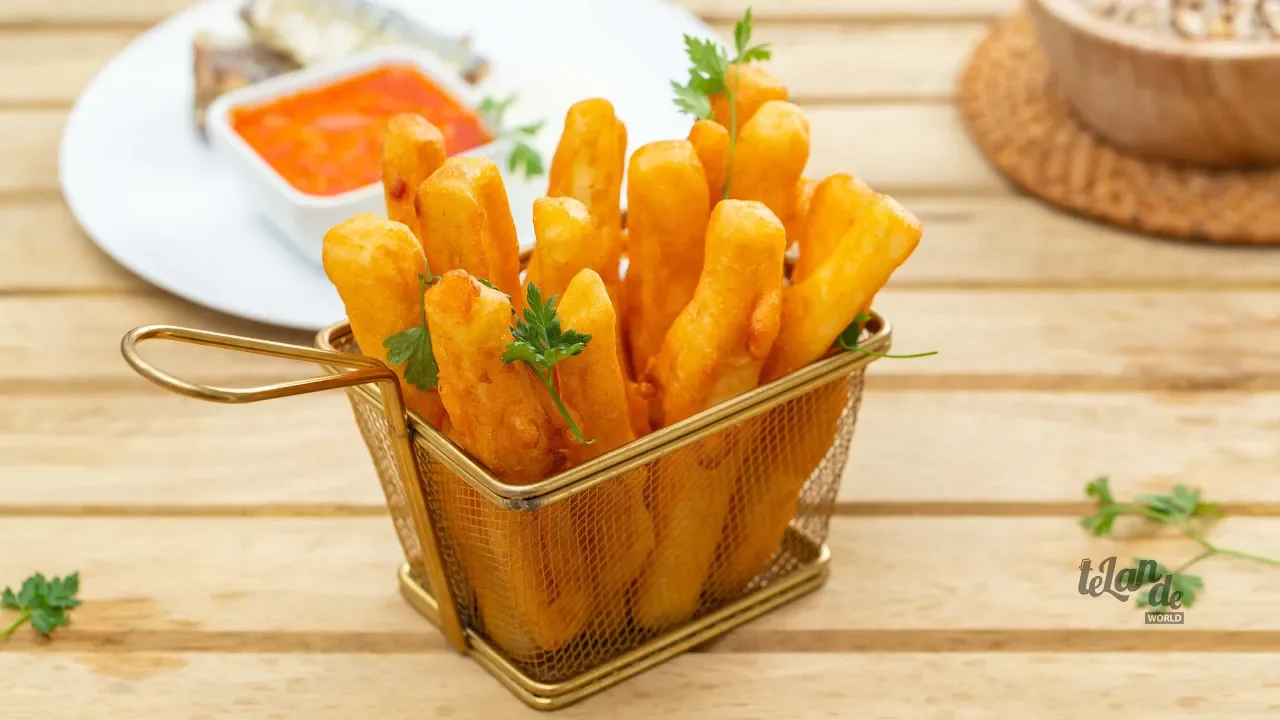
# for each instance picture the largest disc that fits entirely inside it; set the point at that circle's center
(153, 196)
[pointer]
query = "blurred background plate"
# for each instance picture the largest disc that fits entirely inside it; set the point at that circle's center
(150, 193)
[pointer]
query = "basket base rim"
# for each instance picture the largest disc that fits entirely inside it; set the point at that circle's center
(552, 696)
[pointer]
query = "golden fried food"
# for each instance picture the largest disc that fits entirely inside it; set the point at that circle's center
(374, 263)
(526, 568)
(667, 211)
(466, 224)
(713, 351)
(617, 530)
(799, 210)
(771, 154)
(711, 141)
(816, 310)
(753, 87)
(412, 151)
(588, 165)
(838, 201)
(565, 244)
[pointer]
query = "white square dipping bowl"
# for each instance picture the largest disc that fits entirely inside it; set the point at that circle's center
(301, 217)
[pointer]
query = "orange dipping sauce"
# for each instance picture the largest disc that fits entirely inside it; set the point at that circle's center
(328, 140)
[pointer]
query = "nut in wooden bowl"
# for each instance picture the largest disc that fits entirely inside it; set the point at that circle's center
(1190, 81)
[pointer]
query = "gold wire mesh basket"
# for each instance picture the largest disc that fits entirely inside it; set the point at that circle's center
(566, 586)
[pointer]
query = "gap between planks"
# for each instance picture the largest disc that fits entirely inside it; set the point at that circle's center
(743, 640)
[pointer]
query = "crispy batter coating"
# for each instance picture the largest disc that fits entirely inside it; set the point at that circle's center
(466, 224)
(588, 165)
(799, 210)
(530, 579)
(413, 149)
(753, 86)
(771, 153)
(816, 310)
(713, 351)
(374, 263)
(617, 530)
(711, 141)
(565, 244)
(838, 201)
(667, 211)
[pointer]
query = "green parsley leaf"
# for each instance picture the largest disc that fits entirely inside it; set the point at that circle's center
(44, 603)
(539, 342)
(742, 32)
(758, 53)
(523, 156)
(413, 347)
(692, 101)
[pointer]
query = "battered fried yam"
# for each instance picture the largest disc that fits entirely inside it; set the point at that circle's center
(713, 351)
(753, 87)
(374, 263)
(816, 310)
(565, 244)
(711, 141)
(667, 210)
(615, 526)
(530, 580)
(412, 150)
(466, 224)
(799, 210)
(769, 487)
(771, 153)
(838, 201)
(588, 165)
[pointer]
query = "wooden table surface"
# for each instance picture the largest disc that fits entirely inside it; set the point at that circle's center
(237, 561)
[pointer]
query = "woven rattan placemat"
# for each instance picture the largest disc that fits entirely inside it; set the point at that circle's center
(1028, 132)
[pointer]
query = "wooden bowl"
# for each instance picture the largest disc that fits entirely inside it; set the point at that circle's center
(1213, 103)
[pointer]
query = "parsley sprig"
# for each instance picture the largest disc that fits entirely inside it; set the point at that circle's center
(1179, 509)
(541, 343)
(708, 75)
(42, 602)
(848, 340)
(413, 347)
(523, 155)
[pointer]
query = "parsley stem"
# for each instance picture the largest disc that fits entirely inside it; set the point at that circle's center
(1187, 565)
(555, 397)
(898, 357)
(26, 615)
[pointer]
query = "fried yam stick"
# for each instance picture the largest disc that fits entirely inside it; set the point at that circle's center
(466, 224)
(413, 149)
(588, 165)
(816, 310)
(799, 210)
(667, 211)
(615, 525)
(771, 153)
(838, 201)
(713, 351)
(753, 87)
(374, 263)
(565, 244)
(711, 141)
(525, 567)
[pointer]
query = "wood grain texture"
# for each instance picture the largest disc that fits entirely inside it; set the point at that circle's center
(892, 686)
(43, 250)
(51, 67)
(868, 141)
(327, 585)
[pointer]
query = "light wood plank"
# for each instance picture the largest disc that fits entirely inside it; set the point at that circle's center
(897, 148)
(1000, 338)
(156, 449)
(43, 249)
(53, 67)
(148, 11)
(819, 62)
(149, 451)
(335, 576)
(891, 686)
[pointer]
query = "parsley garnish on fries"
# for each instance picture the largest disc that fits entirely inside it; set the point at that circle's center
(709, 76)
(848, 340)
(414, 346)
(540, 343)
(523, 155)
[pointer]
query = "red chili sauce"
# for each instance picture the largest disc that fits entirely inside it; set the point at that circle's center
(328, 140)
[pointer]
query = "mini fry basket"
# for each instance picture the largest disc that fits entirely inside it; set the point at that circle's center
(567, 586)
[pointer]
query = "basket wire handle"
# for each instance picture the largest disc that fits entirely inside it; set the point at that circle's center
(361, 370)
